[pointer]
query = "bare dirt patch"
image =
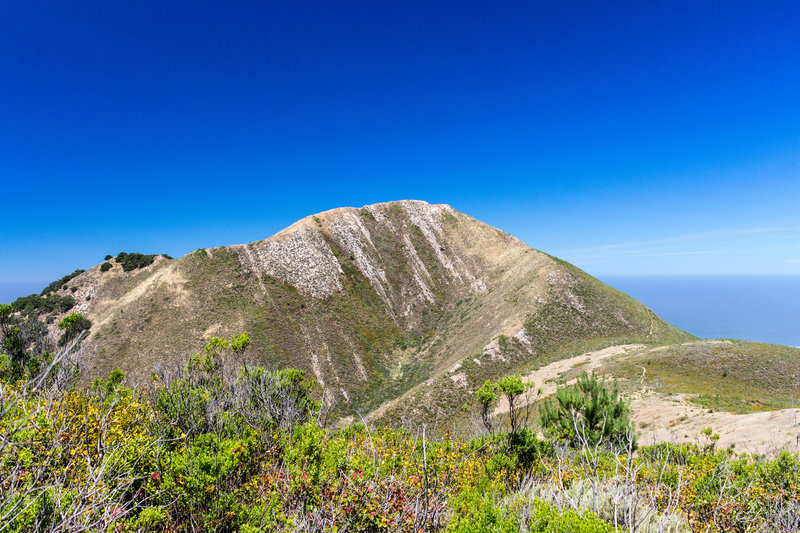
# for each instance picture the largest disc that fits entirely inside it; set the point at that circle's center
(673, 418)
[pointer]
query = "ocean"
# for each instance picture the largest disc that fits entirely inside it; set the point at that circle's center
(756, 308)
(11, 290)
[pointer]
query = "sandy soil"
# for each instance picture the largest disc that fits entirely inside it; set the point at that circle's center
(673, 418)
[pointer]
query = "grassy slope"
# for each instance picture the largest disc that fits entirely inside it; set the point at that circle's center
(222, 300)
(581, 315)
(739, 376)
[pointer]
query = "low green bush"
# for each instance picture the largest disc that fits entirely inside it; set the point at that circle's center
(476, 511)
(546, 519)
(73, 325)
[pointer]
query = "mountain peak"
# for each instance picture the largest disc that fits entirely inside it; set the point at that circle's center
(307, 254)
(403, 305)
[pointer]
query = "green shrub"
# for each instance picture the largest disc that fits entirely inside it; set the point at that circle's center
(105, 266)
(73, 324)
(588, 412)
(607, 499)
(546, 519)
(184, 407)
(13, 345)
(150, 519)
(110, 387)
(240, 343)
(477, 512)
(527, 448)
(199, 480)
(281, 399)
(204, 396)
(24, 345)
(782, 472)
(133, 261)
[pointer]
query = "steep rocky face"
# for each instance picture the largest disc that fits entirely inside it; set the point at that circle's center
(397, 308)
(406, 263)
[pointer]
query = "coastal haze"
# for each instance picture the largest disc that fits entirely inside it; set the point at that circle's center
(757, 308)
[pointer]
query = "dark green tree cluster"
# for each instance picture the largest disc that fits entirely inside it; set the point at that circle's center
(48, 301)
(133, 261)
(105, 266)
(60, 283)
(35, 304)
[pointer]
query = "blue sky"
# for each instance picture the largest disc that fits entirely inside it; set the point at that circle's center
(628, 138)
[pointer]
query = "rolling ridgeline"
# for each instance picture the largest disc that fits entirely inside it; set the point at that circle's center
(398, 310)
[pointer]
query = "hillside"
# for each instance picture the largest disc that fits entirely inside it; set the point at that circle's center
(396, 309)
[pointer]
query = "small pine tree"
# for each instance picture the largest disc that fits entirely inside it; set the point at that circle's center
(589, 412)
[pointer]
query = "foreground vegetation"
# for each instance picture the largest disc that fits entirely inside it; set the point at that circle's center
(218, 444)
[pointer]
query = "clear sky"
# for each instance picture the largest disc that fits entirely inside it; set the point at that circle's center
(628, 138)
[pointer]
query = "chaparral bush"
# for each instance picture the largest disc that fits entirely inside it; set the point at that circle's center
(222, 444)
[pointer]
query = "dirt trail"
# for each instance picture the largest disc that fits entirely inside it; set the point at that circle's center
(545, 378)
(169, 276)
